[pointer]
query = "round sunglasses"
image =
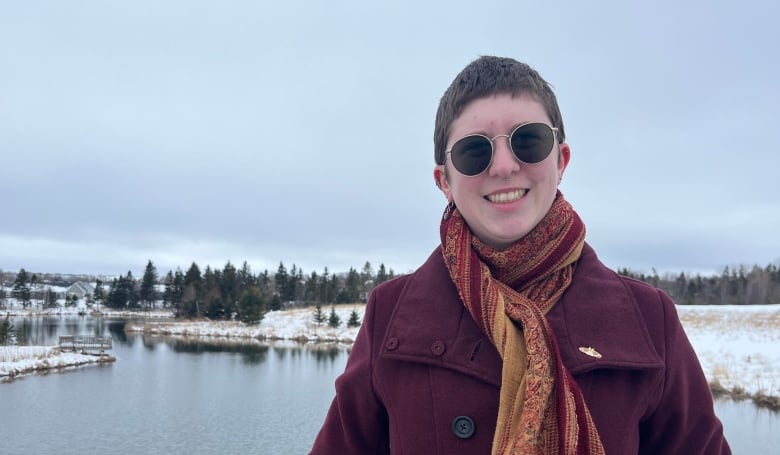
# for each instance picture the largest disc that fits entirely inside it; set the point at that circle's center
(530, 143)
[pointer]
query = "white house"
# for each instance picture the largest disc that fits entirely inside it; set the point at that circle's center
(80, 290)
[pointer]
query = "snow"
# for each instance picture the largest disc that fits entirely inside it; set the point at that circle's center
(295, 324)
(738, 346)
(16, 360)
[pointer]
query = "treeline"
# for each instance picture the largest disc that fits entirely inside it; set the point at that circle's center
(238, 293)
(734, 286)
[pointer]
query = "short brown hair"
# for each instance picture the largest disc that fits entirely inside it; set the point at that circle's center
(488, 76)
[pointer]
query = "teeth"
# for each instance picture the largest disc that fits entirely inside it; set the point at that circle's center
(506, 197)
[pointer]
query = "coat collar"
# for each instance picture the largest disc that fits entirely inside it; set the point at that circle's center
(430, 324)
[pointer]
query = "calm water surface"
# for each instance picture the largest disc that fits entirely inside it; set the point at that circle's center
(166, 395)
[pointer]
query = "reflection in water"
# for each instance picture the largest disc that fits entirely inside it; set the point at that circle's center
(116, 328)
(251, 353)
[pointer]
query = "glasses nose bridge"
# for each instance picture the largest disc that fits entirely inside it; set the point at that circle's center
(508, 143)
(500, 161)
(493, 139)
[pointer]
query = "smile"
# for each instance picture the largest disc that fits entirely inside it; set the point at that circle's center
(509, 196)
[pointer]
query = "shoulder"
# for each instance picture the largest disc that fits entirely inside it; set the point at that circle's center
(611, 290)
(429, 282)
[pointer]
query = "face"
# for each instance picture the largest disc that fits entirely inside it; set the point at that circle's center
(505, 202)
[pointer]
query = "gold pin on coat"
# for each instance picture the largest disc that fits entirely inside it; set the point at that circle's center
(587, 350)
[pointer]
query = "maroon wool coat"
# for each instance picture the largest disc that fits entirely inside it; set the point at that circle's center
(422, 378)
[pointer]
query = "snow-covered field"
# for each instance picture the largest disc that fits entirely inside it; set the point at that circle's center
(738, 346)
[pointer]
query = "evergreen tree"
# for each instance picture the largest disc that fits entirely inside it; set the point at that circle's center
(178, 287)
(311, 286)
(319, 316)
(381, 275)
(148, 293)
(230, 286)
(35, 293)
(245, 278)
(354, 319)
(324, 287)
(333, 319)
(290, 290)
(264, 282)
(276, 303)
(120, 292)
(99, 296)
(21, 290)
(351, 292)
(252, 306)
(168, 293)
(132, 290)
(216, 308)
(189, 304)
(280, 281)
(333, 288)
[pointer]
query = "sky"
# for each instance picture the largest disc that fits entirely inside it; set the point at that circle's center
(302, 132)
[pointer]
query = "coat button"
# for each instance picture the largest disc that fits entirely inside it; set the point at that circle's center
(438, 348)
(463, 427)
(391, 343)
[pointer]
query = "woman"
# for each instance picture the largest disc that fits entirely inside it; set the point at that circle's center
(513, 337)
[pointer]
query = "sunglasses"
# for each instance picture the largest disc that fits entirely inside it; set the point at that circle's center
(530, 143)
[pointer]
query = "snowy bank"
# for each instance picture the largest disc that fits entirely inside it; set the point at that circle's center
(295, 324)
(17, 360)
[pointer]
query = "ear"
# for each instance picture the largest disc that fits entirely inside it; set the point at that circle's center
(564, 155)
(440, 178)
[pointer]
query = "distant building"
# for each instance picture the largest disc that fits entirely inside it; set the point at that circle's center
(80, 290)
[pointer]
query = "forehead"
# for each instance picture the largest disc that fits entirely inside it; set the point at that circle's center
(497, 114)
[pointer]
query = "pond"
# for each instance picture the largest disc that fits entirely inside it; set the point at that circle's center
(166, 395)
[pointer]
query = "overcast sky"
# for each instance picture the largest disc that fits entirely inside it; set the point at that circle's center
(301, 131)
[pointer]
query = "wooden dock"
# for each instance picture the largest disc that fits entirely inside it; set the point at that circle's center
(85, 343)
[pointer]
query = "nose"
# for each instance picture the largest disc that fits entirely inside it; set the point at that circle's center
(504, 162)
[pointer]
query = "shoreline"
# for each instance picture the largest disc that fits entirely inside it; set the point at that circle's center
(18, 361)
(738, 346)
(738, 394)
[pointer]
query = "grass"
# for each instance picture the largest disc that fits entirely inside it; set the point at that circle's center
(737, 393)
(18, 353)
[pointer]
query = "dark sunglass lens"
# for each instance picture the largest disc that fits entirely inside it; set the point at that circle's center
(471, 155)
(532, 143)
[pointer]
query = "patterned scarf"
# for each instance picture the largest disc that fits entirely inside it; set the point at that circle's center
(508, 293)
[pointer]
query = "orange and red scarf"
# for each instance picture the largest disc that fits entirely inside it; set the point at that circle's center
(508, 293)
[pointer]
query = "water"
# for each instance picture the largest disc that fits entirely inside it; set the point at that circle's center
(166, 395)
